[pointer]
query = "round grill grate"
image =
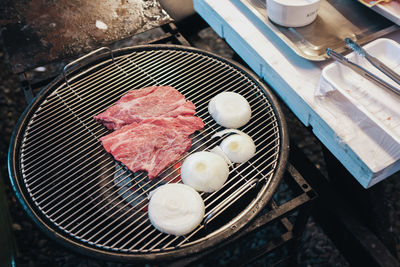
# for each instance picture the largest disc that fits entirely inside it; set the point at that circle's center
(79, 195)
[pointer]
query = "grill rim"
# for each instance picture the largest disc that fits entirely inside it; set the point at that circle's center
(219, 237)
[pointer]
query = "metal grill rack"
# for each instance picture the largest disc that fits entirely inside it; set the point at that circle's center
(276, 212)
(276, 230)
(68, 179)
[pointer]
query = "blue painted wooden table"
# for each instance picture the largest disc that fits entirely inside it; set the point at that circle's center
(367, 151)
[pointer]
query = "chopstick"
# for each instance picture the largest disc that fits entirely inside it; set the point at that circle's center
(360, 70)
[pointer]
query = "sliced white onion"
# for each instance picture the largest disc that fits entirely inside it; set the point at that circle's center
(230, 109)
(218, 150)
(226, 131)
(204, 171)
(175, 209)
(238, 147)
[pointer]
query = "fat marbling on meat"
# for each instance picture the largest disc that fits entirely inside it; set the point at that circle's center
(152, 144)
(150, 102)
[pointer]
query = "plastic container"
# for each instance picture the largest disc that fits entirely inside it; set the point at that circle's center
(378, 104)
(293, 13)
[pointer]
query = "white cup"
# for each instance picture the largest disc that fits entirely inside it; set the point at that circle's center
(293, 13)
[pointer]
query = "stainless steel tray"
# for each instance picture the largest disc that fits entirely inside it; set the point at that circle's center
(336, 20)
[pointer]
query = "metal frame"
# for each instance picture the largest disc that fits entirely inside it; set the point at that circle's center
(302, 203)
(220, 235)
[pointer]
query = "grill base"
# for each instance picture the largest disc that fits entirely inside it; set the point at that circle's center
(68, 183)
(278, 226)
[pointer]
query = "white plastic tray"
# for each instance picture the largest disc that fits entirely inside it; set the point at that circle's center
(380, 105)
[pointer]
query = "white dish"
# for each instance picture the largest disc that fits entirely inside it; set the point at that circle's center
(380, 105)
(293, 13)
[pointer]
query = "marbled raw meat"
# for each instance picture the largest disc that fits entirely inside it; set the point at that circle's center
(152, 144)
(146, 103)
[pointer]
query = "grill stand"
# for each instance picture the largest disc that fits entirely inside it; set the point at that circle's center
(276, 212)
(298, 207)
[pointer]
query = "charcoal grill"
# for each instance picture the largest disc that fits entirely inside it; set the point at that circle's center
(81, 197)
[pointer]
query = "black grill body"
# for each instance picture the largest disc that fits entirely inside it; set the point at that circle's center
(80, 196)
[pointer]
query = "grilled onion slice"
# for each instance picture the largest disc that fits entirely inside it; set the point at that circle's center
(204, 171)
(230, 109)
(175, 209)
(238, 147)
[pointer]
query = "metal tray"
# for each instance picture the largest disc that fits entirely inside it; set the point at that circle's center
(336, 20)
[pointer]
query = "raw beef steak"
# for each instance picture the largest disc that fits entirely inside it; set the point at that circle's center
(152, 144)
(145, 103)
